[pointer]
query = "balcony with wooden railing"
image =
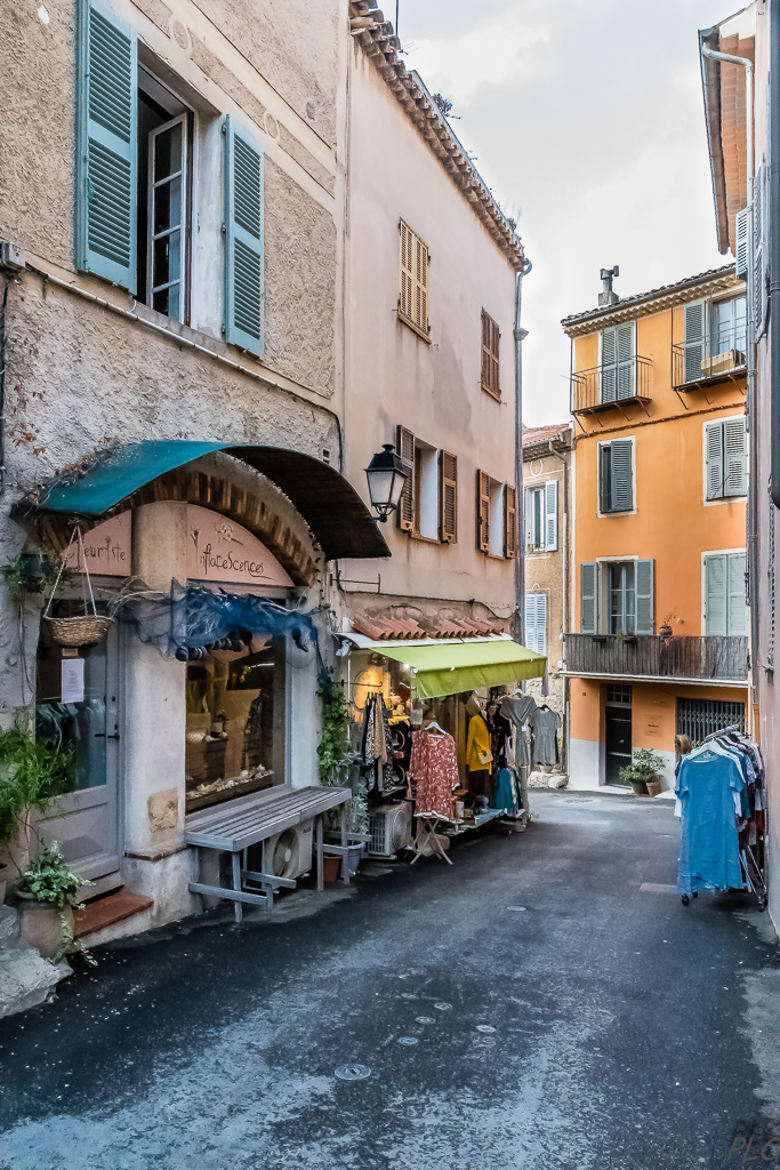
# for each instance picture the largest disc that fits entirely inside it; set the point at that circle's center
(606, 387)
(720, 660)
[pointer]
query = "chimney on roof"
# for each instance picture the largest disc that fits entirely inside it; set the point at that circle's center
(607, 296)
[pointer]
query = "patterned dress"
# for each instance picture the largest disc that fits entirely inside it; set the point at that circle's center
(434, 769)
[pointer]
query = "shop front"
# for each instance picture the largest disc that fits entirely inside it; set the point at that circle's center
(204, 688)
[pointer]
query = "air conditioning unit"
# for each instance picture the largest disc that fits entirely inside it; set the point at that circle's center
(289, 853)
(390, 827)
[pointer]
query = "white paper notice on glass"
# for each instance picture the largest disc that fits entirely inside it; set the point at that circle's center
(72, 689)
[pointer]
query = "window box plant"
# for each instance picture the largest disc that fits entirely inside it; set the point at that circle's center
(644, 773)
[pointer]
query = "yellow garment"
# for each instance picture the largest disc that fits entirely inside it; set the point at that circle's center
(478, 753)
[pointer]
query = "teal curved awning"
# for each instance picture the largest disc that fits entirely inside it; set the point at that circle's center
(335, 513)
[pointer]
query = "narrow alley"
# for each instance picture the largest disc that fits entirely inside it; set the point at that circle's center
(546, 1002)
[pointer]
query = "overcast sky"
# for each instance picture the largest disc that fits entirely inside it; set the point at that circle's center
(586, 120)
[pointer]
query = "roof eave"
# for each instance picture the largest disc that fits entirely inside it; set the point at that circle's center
(710, 81)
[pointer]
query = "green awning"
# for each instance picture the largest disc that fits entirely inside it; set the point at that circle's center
(447, 668)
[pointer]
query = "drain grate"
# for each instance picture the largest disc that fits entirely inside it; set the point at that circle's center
(353, 1072)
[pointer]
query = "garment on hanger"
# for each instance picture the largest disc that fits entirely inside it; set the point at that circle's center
(478, 751)
(518, 708)
(505, 792)
(709, 846)
(545, 724)
(434, 771)
(376, 745)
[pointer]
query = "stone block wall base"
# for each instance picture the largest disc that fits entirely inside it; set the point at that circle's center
(26, 980)
(548, 780)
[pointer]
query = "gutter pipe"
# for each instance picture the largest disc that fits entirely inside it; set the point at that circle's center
(774, 246)
(520, 335)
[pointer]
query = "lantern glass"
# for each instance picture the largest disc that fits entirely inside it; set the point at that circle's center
(386, 476)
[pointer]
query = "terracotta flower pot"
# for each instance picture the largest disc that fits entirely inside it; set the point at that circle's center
(331, 867)
(639, 787)
(654, 787)
(42, 926)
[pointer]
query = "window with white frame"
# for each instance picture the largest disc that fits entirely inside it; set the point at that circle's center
(725, 608)
(535, 636)
(725, 458)
(541, 517)
(617, 597)
(496, 541)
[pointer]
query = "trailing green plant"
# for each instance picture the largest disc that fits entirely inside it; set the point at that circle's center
(50, 880)
(335, 755)
(29, 573)
(33, 773)
(645, 767)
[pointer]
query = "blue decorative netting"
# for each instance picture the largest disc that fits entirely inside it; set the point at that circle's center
(191, 621)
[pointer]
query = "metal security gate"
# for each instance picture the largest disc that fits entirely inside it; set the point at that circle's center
(698, 718)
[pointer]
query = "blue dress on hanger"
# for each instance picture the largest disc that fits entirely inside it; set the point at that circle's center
(709, 847)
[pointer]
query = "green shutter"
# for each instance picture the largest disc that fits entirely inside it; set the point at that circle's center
(645, 597)
(589, 602)
(695, 321)
(622, 475)
(715, 587)
(714, 449)
(551, 515)
(107, 144)
(243, 240)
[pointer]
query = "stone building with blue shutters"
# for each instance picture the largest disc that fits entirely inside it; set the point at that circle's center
(656, 644)
(171, 227)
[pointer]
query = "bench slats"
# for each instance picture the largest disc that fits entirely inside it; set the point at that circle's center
(250, 819)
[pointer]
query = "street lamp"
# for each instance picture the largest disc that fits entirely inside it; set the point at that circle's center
(386, 475)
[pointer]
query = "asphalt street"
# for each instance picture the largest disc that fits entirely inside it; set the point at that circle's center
(546, 1003)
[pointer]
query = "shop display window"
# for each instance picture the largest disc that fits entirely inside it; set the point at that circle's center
(235, 722)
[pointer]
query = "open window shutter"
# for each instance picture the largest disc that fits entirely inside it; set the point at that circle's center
(529, 631)
(715, 586)
(448, 497)
(622, 494)
(695, 322)
(483, 511)
(243, 240)
(626, 366)
(406, 295)
(759, 251)
(528, 517)
(737, 623)
(404, 445)
(495, 341)
(714, 444)
(589, 604)
(510, 521)
(645, 600)
(106, 198)
(735, 457)
(608, 365)
(421, 284)
(551, 515)
(485, 351)
(535, 635)
(742, 244)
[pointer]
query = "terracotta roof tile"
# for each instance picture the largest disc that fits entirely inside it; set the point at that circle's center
(533, 435)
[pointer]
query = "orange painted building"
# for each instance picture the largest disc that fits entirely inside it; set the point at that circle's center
(658, 639)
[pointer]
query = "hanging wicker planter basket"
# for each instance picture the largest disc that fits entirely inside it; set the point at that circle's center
(87, 628)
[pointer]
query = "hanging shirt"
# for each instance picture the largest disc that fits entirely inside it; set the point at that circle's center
(434, 769)
(709, 847)
(478, 754)
(545, 725)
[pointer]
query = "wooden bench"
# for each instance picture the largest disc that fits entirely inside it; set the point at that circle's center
(233, 826)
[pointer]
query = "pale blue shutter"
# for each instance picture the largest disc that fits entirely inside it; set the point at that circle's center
(735, 457)
(626, 366)
(608, 365)
(243, 240)
(715, 589)
(714, 449)
(759, 251)
(695, 321)
(106, 172)
(645, 596)
(529, 636)
(551, 515)
(737, 624)
(589, 604)
(622, 475)
(536, 622)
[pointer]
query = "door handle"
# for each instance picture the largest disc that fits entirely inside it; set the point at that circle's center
(102, 735)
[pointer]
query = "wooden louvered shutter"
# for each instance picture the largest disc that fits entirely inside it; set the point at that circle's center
(759, 251)
(589, 601)
(421, 284)
(608, 365)
(510, 521)
(107, 164)
(535, 633)
(626, 366)
(621, 475)
(551, 515)
(742, 244)
(483, 511)
(715, 588)
(737, 620)
(645, 596)
(406, 506)
(734, 457)
(714, 449)
(491, 339)
(448, 497)
(243, 240)
(695, 345)
(405, 294)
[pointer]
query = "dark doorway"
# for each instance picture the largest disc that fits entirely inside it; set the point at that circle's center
(617, 732)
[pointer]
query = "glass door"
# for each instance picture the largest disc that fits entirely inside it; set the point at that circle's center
(78, 704)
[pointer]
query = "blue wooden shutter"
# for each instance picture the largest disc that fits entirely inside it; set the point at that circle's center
(243, 240)
(589, 601)
(626, 368)
(622, 475)
(759, 250)
(735, 457)
(737, 623)
(715, 589)
(536, 622)
(695, 345)
(609, 359)
(645, 596)
(551, 515)
(106, 172)
(714, 454)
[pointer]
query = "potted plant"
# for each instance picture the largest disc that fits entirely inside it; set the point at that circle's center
(49, 891)
(335, 756)
(644, 773)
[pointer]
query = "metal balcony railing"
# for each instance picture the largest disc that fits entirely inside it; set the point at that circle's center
(653, 656)
(690, 370)
(604, 387)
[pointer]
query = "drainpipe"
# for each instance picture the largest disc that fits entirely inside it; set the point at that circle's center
(520, 335)
(752, 537)
(564, 589)
(774, 243)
